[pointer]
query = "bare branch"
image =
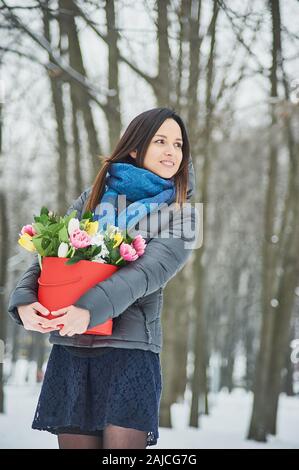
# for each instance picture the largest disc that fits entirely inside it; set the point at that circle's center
(57, 60)
(261, 68)
(134, 67)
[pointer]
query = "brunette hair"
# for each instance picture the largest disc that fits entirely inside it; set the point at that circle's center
(137, 136)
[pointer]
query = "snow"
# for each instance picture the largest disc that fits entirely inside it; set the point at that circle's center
(225, 427)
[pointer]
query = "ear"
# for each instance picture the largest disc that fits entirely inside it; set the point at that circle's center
(133, 153)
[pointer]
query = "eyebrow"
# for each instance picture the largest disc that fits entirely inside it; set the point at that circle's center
(178, 138)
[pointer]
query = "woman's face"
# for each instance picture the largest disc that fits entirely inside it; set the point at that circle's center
(164, 153)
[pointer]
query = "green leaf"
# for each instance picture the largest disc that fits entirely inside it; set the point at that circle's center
(45, 243)
(39, 228)
(54, 228)
(37, 242)
(87, 215)
(63, 234)
(73, 260)
(44, 219)
(44, 210)
(114, 254)
(96, 250)
(72, 215)
(128, 239)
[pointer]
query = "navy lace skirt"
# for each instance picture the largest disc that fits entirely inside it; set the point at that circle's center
(84, 394)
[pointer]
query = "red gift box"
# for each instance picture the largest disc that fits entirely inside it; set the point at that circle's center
(60, 285)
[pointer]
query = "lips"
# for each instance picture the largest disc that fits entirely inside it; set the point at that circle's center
(167, 163)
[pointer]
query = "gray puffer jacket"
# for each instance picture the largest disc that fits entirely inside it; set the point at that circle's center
(133, 296)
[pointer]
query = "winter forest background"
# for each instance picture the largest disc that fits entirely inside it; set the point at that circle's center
(73, 75)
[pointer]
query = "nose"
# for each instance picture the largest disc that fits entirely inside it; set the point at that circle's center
(170, 150)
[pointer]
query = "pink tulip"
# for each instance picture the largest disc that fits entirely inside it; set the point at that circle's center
(80, 239)
(28, 229)
(127, 252)
(139, 245)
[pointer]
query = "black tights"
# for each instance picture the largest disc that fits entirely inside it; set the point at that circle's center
(114, 437)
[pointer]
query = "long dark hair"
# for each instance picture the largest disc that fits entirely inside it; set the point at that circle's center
(137, 136)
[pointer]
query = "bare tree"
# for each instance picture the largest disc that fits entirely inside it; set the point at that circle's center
(280, 262)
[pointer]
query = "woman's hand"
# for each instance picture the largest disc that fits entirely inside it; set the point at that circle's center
(32, 320)
(75, 320)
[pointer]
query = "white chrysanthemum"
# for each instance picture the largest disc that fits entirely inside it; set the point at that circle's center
(98, 260)
(104, 252)
(73, 224)
(97, 239)
(62, 250)
(100, 257)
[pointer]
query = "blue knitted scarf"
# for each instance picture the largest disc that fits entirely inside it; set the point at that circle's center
(145, 192)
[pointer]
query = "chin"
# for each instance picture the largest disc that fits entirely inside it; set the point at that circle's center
(165, 174)
(168, 176)
(162, 175)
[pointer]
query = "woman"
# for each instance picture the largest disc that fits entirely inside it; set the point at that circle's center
(104, 391)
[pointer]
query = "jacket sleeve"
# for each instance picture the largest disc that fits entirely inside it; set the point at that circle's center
(162, 259)
(25, 292)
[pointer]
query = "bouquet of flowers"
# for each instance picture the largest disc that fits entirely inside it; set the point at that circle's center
(74, 256)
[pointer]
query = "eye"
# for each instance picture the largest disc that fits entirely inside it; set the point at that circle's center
(162, 140)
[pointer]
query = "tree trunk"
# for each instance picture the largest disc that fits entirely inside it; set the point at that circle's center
(76, 62)
(286, 297)
(3, 275)
(56, 89)
(76, 142)
(181, 293)
(288, 379)
(113, 118)
(163, 84)
(230, 335)
(282, 260)
(15, 347)
(199, 383)
(167, 356)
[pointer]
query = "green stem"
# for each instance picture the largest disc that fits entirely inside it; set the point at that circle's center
(40, 261)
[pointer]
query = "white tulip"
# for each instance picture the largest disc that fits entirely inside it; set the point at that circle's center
(74, 224)
(112, 230)
(62, 250)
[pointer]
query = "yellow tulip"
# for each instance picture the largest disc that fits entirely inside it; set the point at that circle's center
(118, 239)
(91, 228)
(26, 242)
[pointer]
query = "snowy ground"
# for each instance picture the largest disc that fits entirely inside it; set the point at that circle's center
(224, 428)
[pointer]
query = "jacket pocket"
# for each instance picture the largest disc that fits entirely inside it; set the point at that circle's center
(152, 305)
(148, 330)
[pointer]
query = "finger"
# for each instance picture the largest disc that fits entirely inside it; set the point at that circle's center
(55, 322)
(71, 333)
(61, 311)
(41, 329)
(44, 327)
(41, 321)
(40, 308)
(64, 331)
(47, 330)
